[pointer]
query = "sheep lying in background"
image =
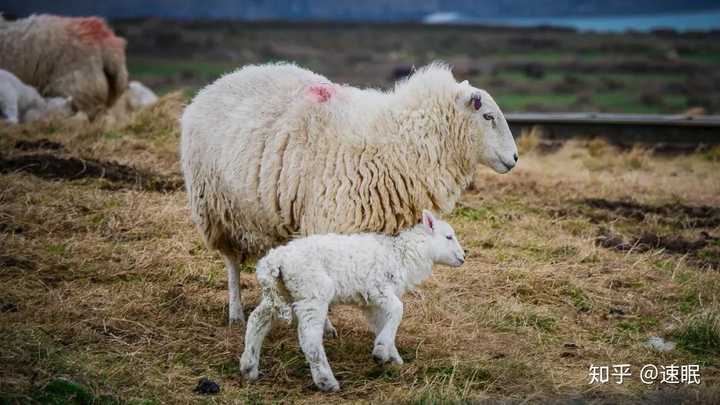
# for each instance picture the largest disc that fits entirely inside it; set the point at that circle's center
(275, 150)
(137, 97)
(78, 57)
(372, 271)
(22, 103)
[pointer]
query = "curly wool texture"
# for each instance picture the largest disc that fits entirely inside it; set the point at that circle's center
(69, 57)
(265, 159)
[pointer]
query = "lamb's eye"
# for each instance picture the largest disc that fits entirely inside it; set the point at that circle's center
(488, 116)
(449, 237)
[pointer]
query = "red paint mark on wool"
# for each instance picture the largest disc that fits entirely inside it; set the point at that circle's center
(321, 92)
(93, 30)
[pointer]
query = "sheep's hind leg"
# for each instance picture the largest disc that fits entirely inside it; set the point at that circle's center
(258, 326)
(235, 309)
(311, 315)
(386, 317)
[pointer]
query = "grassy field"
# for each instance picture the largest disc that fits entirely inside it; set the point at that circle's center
(532, 69)
(577, 257)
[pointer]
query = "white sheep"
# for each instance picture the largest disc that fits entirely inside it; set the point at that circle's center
(22, 103)
(273, 151)
(78, 57)
(369, 270)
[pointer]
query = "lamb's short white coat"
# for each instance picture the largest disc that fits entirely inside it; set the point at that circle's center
(22, 103)
(369, 270)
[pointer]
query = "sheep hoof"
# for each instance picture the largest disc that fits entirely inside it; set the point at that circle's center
(249, 371)
(327, 384)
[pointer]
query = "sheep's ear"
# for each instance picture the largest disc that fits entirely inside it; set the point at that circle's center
(428, 220)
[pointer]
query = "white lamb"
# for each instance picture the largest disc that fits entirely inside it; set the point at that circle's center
(22, 103)
(369, 270)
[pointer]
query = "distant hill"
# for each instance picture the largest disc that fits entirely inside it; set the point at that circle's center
(366, 10)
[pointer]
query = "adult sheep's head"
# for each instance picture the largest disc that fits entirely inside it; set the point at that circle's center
(495, 143)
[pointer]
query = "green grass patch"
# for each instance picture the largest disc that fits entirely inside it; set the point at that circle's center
(579, 299)
(472, 214)
(62, 391)
(689, 302)
(707, 57)
(622, 101)
(532, 320)
(700, 336)
(636, 326)
(165, 67)
(516, 102)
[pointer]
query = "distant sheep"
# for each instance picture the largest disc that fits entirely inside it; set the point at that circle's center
(137, 97)
(22, 103)
(372, 271)
(273, 151)
(66, 57)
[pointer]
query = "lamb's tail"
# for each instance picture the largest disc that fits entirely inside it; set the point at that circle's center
(268, 274)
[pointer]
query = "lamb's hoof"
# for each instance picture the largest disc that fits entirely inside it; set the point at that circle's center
(380, 354)
(327, 384)
(237, 320)
(396, 360)
(331, 332)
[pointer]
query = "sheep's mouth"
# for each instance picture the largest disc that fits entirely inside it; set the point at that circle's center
(502, 167)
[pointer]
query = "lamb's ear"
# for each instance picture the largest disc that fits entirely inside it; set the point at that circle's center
(428, 220)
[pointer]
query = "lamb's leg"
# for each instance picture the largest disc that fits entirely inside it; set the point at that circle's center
(258, 326)
(329, 330)
(235, 309)
(311, 315)
(9, 107)
(389, 313)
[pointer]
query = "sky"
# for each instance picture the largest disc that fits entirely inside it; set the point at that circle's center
(343, 10)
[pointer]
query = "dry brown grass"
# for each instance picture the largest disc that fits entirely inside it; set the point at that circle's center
(109, 286)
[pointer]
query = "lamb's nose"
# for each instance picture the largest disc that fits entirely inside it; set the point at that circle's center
(515, 156)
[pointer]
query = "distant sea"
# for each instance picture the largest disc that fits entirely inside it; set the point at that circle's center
(684, 21)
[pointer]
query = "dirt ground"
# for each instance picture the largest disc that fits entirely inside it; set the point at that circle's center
(577, 257)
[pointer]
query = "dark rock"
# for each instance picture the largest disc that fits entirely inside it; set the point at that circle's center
(207, 387)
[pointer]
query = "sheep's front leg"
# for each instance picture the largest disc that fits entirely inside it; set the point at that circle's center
(311, 315)
(235, 309)
(386, 317)
(258, 326)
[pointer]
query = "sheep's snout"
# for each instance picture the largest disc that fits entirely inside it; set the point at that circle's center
(509, 163)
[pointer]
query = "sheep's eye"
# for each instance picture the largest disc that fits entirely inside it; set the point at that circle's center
(488, 116)
(449, 237)
(476, 101)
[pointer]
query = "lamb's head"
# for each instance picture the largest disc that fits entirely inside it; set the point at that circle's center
(496, 146)
(443, 245)
(61, 106)
(49, 108)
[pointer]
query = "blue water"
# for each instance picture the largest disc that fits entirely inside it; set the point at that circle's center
(685, 21)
